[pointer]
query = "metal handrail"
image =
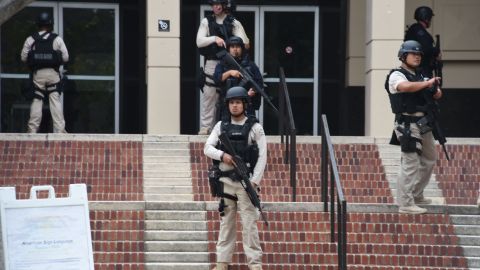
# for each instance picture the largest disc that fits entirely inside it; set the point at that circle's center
(329, 162)
(286, 125)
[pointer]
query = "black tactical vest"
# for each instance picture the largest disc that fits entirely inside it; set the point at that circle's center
(42, 54)
(238, 135)
(224, 31)
(403, 102)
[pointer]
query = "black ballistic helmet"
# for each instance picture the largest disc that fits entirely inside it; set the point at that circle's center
(223, 2)
(423, 13)
(236, 92)
(409, 46)
(44, 19)
(234, 40)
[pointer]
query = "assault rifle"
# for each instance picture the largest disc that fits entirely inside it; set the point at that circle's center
(438, 64)
(246, 75)
(431, 120)
(242, 170)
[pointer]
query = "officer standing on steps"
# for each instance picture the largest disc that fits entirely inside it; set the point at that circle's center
(418, 32)
(248, 139)
(44, 52)
(212, 35)
(227, 76)
(407, 89)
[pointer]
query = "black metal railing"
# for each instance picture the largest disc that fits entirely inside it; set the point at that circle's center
(286, 125)
(329, 168)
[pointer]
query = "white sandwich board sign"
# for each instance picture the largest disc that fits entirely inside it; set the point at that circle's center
(52, 233)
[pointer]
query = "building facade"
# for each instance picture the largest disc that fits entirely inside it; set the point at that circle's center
(133, 63)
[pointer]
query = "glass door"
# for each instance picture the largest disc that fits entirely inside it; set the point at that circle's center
(288, 37)
(91, 103)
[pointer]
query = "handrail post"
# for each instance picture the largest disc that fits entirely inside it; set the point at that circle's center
(329, 170)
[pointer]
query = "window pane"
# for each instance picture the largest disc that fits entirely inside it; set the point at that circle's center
(14, 33)
(89, 36)
(89, 106)
(289, 42)
(301, 98)
(15, 109)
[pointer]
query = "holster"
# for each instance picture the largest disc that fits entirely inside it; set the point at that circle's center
(216, 186)
(408, 143)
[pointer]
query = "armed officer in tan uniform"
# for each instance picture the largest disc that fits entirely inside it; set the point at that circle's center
(45, 52)
(212, 36)
(407, 89)
(248, 139)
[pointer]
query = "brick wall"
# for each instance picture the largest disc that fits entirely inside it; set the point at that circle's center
(117, 238)
(301, 240)
(459, 178)
(112, 170)
(361, 172)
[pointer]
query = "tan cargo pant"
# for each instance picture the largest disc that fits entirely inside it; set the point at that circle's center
(41, 79)
(415, 169)
(209, 98)
(228, 227)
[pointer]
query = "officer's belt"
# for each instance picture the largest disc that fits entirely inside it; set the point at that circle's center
(229, 196)
(232, 174)
(401, 118)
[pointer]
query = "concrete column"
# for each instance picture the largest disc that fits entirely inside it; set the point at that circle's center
(384, 34)
(163, 66)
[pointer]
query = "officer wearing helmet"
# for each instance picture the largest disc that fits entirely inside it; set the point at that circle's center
(418, 32)
(248, 139)
(45, 52)
(212, 34)
(227, 75)
(407, 89)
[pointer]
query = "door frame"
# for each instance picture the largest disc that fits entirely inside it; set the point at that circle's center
(259, 11)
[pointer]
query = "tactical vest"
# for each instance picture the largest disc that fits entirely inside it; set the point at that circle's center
(238, 135)
(224, 31)
(233, 81)
(406, 102)
(42, 54)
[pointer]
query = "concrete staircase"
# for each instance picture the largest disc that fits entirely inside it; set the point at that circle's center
(390, 156)
(167, 172)
(467, 228)
(176, 236)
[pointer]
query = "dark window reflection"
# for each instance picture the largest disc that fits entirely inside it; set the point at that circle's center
(289, 42)
(301, 98)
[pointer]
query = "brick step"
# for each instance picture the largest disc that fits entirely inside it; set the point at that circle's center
(165, 181)
(473, 261)
(169, 197)
(167, 167)
(360, 249)
(173, 257)
(471, 251)
(170, 189)
(176, 246)
(465, 219)
(165, 159)
(166, 145)
(175, 206)
(166, 152)
(467, 230)
(175, 215)
(170, 235)
(468, 240)
(167, 174)
(176, 225)
(177, 266)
